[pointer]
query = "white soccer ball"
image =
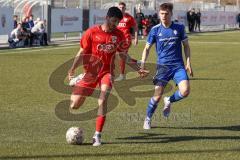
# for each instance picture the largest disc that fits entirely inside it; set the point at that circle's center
(74, 135)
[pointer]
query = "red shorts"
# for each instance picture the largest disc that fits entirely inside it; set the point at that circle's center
(87, 85)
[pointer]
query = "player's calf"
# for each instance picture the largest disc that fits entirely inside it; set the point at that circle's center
(180, 94)
(152, 105)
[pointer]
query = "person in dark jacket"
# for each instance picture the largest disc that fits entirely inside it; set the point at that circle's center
(15, 22)
(198, 20)
(139, 18)
(238, 19)
(189, 20)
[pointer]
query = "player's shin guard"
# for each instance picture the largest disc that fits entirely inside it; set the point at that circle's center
(177, 96)
(152, 105)
(100, 120)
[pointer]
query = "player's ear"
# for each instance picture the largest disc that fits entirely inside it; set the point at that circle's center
(107, 17)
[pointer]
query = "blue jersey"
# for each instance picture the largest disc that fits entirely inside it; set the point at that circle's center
(168, 43)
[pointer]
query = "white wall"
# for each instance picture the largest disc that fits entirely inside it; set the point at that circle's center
(209, 18)
(97, 16)
(6, 20)
(66, 20)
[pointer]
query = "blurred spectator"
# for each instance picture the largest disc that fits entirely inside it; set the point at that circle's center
(3, 21)
(191, 17)
(39, 32)
(31, 22)
(147, 22)
(27, 28)
(238, 19)
(45, 39)
(37, 20)
(28, 31)
(15, 23)
(188, 20)
(146, 25)
(16, 36)
(198, 20)
(155, 19)
(151, 22)
(26, 24)
(139, 18)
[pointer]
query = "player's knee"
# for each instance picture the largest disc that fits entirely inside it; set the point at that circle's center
(185, 92)
(74, 105)
(102, 101)
(157, 98)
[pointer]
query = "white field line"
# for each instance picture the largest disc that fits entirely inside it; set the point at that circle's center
(229, 43)
(38, 49)
(215, 33)
(206, 42)
(66, 46)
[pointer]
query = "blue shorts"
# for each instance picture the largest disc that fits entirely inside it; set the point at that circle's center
(165, 73)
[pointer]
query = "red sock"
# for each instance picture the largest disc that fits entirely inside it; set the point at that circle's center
(100, 122)
(122, 66)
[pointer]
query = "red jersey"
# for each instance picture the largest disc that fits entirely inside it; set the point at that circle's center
(100, 48)
(126, 24)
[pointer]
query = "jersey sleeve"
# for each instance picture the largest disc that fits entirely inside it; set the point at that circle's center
(183, 33)
(151, 37)
(86, 41)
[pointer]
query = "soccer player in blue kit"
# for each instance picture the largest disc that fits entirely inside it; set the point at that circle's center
(168, 37)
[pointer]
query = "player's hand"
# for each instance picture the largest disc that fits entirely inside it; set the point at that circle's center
(70, 74)
(189, 69)
(135, 41)
(143, 73)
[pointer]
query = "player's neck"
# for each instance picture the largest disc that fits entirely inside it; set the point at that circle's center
(167, 24)
(105, 28)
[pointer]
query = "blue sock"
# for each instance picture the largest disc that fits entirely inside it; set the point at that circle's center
(176, 97)
(152, 105)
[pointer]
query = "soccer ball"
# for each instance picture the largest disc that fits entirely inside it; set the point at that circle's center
(74, 135)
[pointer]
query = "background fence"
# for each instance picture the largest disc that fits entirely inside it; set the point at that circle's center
(71, 17)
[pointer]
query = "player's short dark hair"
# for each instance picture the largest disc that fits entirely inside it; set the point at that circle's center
(115, 12)
(122, 3)
(166, 6)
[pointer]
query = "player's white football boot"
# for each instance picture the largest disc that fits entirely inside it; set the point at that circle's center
(147, 124)
(167, 107)
(97, 140)
(120, 78)
(76, 79)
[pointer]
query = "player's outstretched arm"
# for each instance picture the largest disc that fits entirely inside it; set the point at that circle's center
(135, 35)
(145, 54)
(133, 64)
(77, 61)
(188, 66)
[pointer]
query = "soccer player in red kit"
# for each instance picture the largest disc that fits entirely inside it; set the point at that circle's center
(125, 25)
(99, 45)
